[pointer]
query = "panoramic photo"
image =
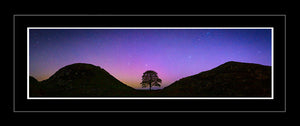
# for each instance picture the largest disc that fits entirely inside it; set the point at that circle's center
(143, 62)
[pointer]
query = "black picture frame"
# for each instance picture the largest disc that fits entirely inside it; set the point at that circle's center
(23, 105)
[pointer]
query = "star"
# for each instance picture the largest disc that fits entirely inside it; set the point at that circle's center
(146, 65)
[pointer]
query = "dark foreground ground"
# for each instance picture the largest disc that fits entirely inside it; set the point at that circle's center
(231, 79)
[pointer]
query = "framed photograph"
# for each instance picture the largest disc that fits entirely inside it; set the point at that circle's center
(149, 63)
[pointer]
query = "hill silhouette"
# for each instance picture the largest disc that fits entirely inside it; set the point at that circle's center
(229, 79)
(81, 79)
(35, 87)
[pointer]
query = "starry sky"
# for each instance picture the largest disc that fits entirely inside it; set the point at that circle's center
(127, 53)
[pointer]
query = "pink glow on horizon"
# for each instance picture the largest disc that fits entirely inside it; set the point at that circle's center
(126, 54)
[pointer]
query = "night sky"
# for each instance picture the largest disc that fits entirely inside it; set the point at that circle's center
(128, 53)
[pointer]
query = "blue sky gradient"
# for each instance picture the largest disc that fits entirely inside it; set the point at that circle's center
(127, 53)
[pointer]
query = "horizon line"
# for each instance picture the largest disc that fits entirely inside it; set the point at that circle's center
(139, 88)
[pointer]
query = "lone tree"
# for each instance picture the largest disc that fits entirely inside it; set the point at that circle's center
(150, 79)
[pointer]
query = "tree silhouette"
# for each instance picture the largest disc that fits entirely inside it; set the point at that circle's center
(150, 79)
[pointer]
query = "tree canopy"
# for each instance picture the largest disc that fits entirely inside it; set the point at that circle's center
(150, 79)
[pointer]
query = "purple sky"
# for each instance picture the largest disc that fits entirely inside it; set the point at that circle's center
(128, 53)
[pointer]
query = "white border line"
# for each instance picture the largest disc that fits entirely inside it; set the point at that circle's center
(272, 67)
(28, 40)
(150, 28)
(152, 98)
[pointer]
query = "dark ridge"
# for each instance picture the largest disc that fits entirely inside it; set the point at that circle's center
(32, 80)
(229, 79)
(34, 87)
(81, 79)
(75, 71)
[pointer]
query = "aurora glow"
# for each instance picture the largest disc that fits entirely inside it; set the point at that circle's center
(128, 53)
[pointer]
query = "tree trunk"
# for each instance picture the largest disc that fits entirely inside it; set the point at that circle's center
(150, 86)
